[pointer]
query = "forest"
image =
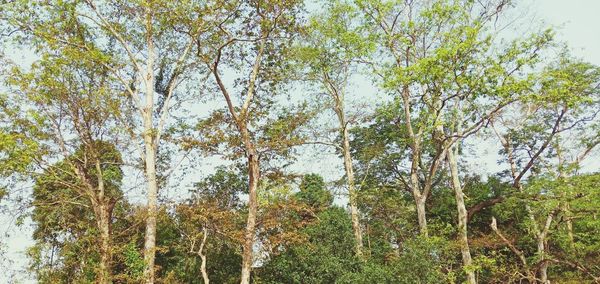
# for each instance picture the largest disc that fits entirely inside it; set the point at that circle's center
(292, 141)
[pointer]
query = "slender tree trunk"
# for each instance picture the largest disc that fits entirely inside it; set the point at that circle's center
(103, 220)
(150, 157)
(338, 97)
(418, 195)
(254, 175)
(567, 211)
(203, 269)
(203, 257)
(421, 215)
(462, 215)
(152, 209)
(415, 157)
(103, 212)
(419, 198)
(352, 193)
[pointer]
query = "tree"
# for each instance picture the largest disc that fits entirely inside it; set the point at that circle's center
(330, 53)
(67, 107)
(68, 215)
(215, 207)
(447, 80)
(569, 93)
(251, 37)
(326, 257)
(313, 192)
(127, 39)
(113, 93)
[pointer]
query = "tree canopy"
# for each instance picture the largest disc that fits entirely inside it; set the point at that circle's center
(280, 141)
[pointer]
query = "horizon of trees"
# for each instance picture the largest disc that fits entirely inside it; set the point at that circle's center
(120, 92)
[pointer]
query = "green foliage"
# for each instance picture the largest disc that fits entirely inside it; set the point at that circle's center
(18, 149)
(69, 123)
(328, 257)
(423, 260)
(65, 223)
(223, 187)
(313, 191)
(133, 261)
(325, 258)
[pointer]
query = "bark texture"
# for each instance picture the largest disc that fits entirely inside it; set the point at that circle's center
(247, 256)
(338, 98)
(150, 148)
(152, 209)
(462, 214)
(104, 224)
(354, 214)
(203, 257)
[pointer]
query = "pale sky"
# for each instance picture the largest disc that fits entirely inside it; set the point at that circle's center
(576, 21)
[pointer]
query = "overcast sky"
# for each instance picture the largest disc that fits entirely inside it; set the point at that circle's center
(576, 21)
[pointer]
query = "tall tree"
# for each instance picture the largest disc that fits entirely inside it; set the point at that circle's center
(331, 51)
(251, 39)
(480, 84)
(415, 40)
(566, 100)
(68, 213)
(67, 106)
(447, 78)
(139, 43)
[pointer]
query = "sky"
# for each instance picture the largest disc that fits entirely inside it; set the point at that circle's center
(576, 21)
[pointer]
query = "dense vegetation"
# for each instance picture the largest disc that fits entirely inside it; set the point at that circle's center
(119, 102)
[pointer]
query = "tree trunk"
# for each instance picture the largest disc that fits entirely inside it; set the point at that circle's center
(570, 226)
(103, 212)
(104, 223)
(541, 246)
(352, 193)
(203, 269)
(543, 272)
(415, 156)
(421, 216)
(419, 198)
(254, 175)
(462, 216)
(203, 257)
(152, 209)
(338, 97)
(150, 148)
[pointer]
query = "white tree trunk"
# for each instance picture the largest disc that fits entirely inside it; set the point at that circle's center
(203, 257)
(354, 214)
(541, 245)
(421, 214)
(103, 220)
(152, 209)
(247, 255)
(150, 148)
(462, 215)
